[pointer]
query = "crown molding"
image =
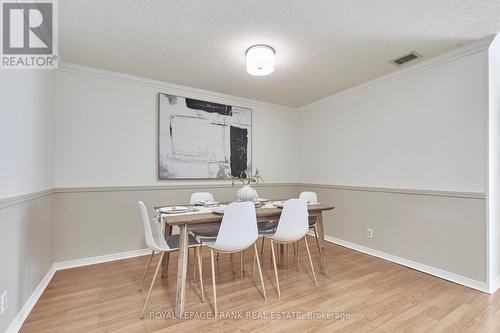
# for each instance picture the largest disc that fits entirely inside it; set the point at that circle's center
(167, 87)
(422, 65)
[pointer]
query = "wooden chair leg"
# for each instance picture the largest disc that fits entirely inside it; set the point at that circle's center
(213, 281)
(275, 269)
(297, 254)
(200, 272)
(287, 256)
(253, 266)
(260, 272)
(147, 267)
(310, 261)
(319, 247)
(278, 255)
(242, 259)
(152, 283)
(195, 263)
(262, 246)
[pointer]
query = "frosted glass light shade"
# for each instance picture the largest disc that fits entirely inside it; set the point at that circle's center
(260, 60)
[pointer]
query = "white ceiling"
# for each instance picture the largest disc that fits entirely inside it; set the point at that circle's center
(322, 47)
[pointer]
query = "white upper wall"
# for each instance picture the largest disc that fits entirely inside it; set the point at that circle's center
(106, 130)
(425, 129)
(26, 163)
(494, 161)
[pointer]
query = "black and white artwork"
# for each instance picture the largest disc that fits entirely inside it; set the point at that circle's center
(202, 140)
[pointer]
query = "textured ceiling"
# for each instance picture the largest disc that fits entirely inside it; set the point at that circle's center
(322, 47)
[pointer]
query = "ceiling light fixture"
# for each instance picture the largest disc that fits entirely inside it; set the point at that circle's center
(260, 60)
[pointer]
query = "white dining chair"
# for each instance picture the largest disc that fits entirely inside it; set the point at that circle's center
(157, 242)
(292, 227)
(312, 197)
(237, 232)
(207, 232)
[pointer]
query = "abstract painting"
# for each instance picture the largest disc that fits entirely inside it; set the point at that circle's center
(202, 140)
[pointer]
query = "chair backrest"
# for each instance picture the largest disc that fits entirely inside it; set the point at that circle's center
(153, 241)
(238, 229)
(201, 197)
(311, 197)
(294, 221)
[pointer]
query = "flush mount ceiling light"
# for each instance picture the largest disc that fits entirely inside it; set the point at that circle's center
(260, 60)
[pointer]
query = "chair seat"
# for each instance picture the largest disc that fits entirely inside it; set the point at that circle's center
(267, 233)
(173, 241)
(206, 232)
(263, 226)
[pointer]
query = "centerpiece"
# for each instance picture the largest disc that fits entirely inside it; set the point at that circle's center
(247, 193)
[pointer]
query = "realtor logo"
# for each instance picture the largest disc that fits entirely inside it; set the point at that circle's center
(29, 34)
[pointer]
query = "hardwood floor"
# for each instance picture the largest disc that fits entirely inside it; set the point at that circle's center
(373, 295)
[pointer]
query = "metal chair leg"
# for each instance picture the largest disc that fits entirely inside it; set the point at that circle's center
(151, 286)
(146, 270)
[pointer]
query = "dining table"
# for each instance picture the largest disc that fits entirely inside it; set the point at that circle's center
(204, 217)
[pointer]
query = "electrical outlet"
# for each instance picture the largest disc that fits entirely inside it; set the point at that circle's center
(369, 233)
(3, 302)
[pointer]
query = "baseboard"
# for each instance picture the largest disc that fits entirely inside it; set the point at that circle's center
(100, 259)
(456, 278)
(18, 321)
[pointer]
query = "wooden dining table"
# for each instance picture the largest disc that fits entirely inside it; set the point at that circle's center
(192, 221)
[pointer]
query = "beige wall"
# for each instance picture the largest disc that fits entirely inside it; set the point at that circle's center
(439, 230)
(99, 221)
(26, 250)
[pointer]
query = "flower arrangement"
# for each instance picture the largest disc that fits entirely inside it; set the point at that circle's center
(247, 177)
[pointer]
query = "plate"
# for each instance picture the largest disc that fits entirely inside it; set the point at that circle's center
(279, 204)
(173, 209)
(219, 211)
(263, 200)
(206, 203)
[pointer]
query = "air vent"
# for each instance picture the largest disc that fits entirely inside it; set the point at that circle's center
(406, 58)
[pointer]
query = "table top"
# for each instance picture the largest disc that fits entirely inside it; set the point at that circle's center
(262, 214)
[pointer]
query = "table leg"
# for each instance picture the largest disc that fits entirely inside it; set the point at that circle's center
(166, 257)
(321, 239)
(181, 271)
